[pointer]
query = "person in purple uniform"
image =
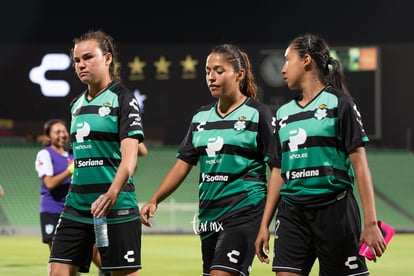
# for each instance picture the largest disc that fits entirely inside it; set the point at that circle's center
(53, 165)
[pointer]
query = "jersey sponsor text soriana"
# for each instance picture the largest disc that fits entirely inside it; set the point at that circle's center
(97, 128)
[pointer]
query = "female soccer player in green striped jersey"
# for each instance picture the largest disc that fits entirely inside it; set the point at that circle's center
(106, 129)
(321, 151)
(231, 139)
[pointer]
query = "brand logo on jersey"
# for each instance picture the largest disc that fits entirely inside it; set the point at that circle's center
(214, 178)
(200, 126)
(274, 124)
(89, 163)
(137, 120)
(321, 112)
(123, 212)
(301, 174)
(134, 103)
(298, 155)
(349, 263)
(83, 130)
(129, 256)
(105, 109)
(358, 116)
(214, 145)
(233, 256)
(136, 115)
(297, 137)
(51, 62)
(282, 122)
(240, 124)
(83, 147)
(49, 228)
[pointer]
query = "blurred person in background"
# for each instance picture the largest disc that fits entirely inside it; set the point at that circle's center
(321, 151)
(232, 141)
(54, 166)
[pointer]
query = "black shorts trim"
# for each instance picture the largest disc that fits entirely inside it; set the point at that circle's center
(112, 213)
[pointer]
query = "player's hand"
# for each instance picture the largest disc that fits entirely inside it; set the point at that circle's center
(371, 234)
(262, 245)
(147, 212)
(103, 204)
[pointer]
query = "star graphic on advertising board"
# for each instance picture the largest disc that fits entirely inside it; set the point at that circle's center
(189, 64)
(140, 98)
(162, 65)
(137, 66)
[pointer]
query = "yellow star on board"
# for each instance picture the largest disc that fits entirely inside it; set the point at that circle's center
(189, 64)
(162, 65)
(137, 66)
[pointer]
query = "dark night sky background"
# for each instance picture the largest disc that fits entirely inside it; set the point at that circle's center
(260, 21)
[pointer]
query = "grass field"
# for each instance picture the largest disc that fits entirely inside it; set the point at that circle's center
(179, 255)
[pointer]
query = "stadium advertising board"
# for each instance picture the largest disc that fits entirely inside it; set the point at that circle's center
(168, 81)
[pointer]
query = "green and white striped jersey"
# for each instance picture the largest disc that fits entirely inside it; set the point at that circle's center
(315, 141)
(97, 128)
(233, 153)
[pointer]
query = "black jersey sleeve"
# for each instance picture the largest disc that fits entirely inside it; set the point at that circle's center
(186, 151)
(351, 128)
(130, 121)
(266, 135)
